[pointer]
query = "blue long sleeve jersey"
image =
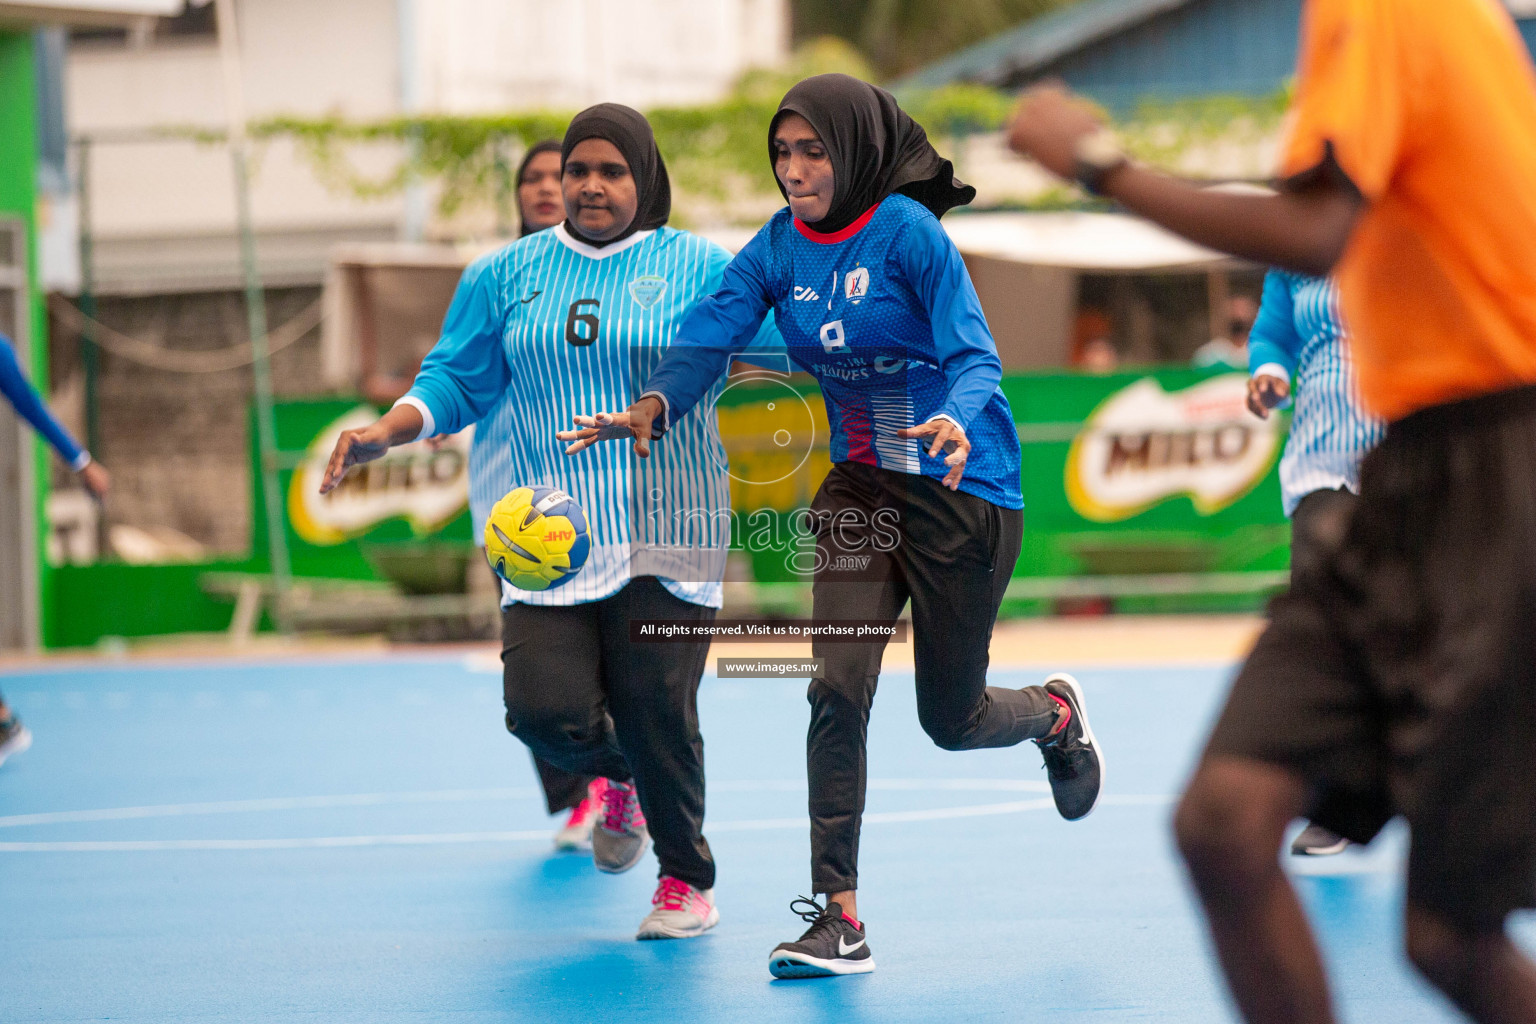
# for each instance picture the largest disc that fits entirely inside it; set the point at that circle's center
(1299, 333)
(549, 327)
(29, 405)
(884, 315)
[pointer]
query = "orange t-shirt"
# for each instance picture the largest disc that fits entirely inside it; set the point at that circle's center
(1430, 108)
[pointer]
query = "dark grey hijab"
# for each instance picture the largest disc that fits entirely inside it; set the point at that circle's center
(631, 134)
(875, 148)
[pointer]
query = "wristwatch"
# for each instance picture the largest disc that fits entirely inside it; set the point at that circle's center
(1096, 156)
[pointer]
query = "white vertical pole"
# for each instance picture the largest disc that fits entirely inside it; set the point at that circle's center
(255, 307)
(413, 224)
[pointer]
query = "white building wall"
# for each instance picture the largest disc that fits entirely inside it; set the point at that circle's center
(163, 210)
(487, 55)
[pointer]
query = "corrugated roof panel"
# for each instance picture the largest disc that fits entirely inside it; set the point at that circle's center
(1037, 42)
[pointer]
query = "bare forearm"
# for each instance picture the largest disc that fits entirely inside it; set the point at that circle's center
(1304, 231)
(402, 424)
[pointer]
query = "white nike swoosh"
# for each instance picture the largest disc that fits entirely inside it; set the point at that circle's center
(844, 950)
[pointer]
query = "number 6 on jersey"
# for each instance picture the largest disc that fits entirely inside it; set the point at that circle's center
(576, 315)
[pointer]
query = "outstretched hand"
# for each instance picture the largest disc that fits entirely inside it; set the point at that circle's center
(635, 422)
(947, 441)
(96, 479)
(1048, 124)
(1266, 393)
(401, 424)
(353, 448)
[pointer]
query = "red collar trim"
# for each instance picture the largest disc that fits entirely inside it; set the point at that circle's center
(834, 237)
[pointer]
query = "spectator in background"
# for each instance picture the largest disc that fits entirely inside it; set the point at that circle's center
(14, 737)
(1093, 346)
(1233, 349)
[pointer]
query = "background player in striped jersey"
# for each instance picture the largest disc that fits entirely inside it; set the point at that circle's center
(872, 298)
(29, 405)
(569, 319)
(539, 207)
(1299, 332)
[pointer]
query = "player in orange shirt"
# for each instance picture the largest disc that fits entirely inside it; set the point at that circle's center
(1399, 677)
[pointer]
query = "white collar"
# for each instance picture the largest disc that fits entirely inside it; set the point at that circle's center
(592, 251)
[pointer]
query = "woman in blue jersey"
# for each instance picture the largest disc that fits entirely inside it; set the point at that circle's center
(1300, 333)
(873, 299)
(574, 318)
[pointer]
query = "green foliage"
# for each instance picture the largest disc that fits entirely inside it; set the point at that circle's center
(717, 154)
(1161, 131)
(957, 110)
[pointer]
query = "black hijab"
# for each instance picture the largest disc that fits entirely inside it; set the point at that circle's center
(875, 148)
(631, 134)
(547, 146)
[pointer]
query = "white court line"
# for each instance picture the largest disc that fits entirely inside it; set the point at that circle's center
(460, 838)
(296, 803)
(287, 803)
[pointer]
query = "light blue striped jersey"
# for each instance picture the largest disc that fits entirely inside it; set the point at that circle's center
(1299, 333)
(549, 327)
(490, 461)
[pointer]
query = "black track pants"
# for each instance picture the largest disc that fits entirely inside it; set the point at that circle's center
(563, 790)
(951, 554)
(590, 702)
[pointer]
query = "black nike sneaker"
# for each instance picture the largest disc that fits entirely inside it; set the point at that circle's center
(1072, 758)
(829, 947)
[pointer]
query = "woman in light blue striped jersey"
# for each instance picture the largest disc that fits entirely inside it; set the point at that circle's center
(1299, 333)
(539, 208)
(567, 320)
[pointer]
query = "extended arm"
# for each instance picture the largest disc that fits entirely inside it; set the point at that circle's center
(1304, 228)
(1273, 347)
(715, 329)
(30, 407)
(461, 378)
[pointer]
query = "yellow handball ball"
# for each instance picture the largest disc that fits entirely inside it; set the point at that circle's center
(536, 538)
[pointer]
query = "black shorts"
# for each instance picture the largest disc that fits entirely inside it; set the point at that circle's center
(1398, 673)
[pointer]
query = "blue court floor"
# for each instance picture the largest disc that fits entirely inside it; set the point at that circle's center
(362, 841)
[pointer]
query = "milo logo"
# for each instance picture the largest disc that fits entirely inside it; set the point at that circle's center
(1143, 445)
(425, 486)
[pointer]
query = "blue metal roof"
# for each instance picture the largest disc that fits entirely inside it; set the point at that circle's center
(1121, 52)
(1037, 43)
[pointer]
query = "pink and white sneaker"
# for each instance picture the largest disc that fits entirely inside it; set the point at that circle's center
(680, 911)
(620, 838)
(576, 833)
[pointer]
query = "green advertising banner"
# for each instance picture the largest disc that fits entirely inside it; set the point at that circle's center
(1156, 488)
(404, 517)
(1161, 473)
